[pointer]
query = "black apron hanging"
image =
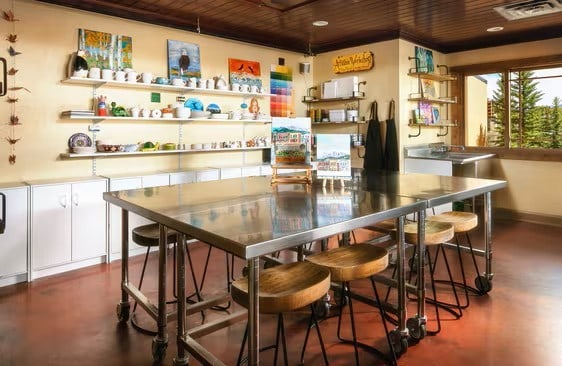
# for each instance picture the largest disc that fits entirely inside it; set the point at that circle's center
(374, 159)
(391, 142)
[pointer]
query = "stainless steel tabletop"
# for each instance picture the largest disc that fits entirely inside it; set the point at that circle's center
(434, 189)
(249, 217)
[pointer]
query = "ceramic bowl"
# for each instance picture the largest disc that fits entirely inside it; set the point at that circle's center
(110, 148)
(129, 147)
(84, 149)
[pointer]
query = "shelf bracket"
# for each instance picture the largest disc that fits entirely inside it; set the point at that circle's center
(444, 134)
(419, 132)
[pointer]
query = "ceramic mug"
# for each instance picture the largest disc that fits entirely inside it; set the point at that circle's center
(210, 83)
(95, 73)
(161, 80)
(132, 77)
(107, 74)
(145, 112)
(147, 77)
(120, 75)
(202, 84)
(235, 87)
(254, 89)
(178, 82)
(244, 88)
(192, 82)
(80, 73)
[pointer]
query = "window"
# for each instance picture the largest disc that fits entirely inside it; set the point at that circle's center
(515, 110)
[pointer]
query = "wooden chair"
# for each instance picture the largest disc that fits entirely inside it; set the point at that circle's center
(349, 263)
(285, 288)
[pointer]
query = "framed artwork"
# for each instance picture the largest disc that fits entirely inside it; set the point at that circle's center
(244, 72)
(428, 88)
(106, 50)
(424, 114)
(333, 155)
(424, 60)
(291, 139)
(183, 60)
(436, 115)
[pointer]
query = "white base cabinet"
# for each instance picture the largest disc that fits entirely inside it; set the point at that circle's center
(68, 225)
(122, 183)
(14, 240)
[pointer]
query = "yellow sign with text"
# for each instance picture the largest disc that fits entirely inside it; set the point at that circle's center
(350, 63)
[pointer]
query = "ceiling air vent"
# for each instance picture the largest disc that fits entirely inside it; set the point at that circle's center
(529, 8)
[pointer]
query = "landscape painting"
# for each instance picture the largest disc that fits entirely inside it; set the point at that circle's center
(333, 153)
(106, 50)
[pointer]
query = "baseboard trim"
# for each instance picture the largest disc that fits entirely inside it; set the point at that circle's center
(507, 214)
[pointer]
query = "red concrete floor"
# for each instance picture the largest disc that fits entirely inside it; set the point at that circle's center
(70, 319)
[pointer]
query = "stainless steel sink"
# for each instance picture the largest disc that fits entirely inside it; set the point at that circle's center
(464, 157)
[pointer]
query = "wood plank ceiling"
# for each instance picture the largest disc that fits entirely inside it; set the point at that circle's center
(444, 25)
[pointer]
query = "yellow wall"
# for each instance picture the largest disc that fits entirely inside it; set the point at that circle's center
(533, 186)
(476, 109)
(48, 34)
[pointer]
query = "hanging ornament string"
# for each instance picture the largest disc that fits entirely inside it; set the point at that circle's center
(12, 98)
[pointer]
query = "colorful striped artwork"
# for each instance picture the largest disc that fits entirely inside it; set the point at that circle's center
(282, 101)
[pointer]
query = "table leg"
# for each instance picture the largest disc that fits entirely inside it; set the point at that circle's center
(416, 325)
(182, 357)
(123, 308)
(160, 341)
(488, 238)
(253, 312)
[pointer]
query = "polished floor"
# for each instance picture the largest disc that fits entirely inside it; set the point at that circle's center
(70, 319)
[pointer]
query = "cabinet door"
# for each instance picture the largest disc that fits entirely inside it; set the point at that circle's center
(181, 178)
(13, 242)
(89, 225)
(207, 175)
(250, 171)
(227, 173)
(50, 225)
(115, 215)
(155, 180)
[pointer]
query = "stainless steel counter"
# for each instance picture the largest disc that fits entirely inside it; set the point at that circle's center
(456, 157)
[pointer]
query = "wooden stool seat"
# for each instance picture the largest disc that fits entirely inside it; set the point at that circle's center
(352, 262)
(286, 287)
(435, 232)
(149, 235)
(461, 221)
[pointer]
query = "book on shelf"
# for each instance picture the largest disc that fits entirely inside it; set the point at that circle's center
(424, 114)
(428, 89)
(76, 113)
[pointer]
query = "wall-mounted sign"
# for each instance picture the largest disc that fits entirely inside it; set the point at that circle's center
(356, 62)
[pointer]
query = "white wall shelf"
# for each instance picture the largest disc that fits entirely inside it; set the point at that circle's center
(162, 87)
(157, 152)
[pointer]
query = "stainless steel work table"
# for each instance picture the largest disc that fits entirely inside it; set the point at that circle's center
(437, 190)
(250, 218)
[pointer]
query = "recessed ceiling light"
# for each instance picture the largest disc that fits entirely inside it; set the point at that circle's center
(494, 29)
(320, 23)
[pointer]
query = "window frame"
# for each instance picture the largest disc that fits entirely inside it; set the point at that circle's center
(457, 110)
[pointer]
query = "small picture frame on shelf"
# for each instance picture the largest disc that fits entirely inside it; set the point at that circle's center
(428, 88)
(436, 115)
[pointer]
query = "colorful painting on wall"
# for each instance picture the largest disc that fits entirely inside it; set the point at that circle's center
(333, 155)
(183, 60)
(282, 103)
(106, 50)
(244, 72)
(424, 59)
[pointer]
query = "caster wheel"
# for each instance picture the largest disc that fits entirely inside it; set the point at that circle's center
(322, 309)
(416, 329)
(159, 349)
(483, 284)
(267, 265)
(122, 310)
(399, 343)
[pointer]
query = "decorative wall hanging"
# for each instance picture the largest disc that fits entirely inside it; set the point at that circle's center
(106, 50)
(14, 120)
(351, 63)
(244, 72)
(183, 60)
(282, 103)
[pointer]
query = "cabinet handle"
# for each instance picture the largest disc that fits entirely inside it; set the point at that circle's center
(75, 199)
(62, 201)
